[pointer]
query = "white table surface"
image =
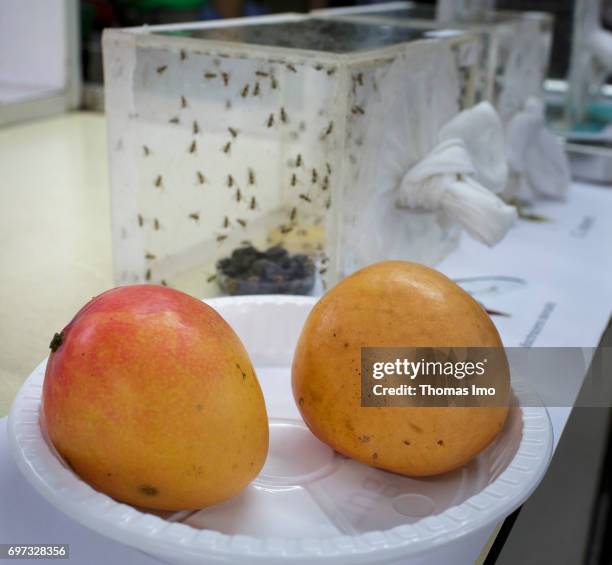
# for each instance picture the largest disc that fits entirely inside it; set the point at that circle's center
(566, 263)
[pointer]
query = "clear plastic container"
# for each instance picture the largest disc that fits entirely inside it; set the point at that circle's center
(516, 45)
(255, 132)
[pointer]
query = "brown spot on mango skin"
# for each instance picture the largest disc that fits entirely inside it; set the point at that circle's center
(301, 401)
(415, 428)
(440, 442)
(375, 456)
(364, 439)
(406, 442)
(148, 490)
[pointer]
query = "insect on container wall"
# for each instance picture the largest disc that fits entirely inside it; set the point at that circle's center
(252, 131)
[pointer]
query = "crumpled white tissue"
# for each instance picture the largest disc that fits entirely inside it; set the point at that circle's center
(538, 164)
(460, 175)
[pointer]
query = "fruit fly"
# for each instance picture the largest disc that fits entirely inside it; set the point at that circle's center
(273, 82)
(293, 214)
(328, 167)
(140, 220)
(329, 129)
(209, 76)
(286, 229)
(359, 79)
(145, 150)
(305, 198)
(245, 91)
(256, 89)
(291, 68)
(196, 128)
(195, 216)
(211, 278)
(270, 122)
(238, 195)
(298, 160)
(226, 222)
(283, 115)
(230, 180)
(160, 70)
(328, 204)
(322, 271)
(174, 120)
(159, 181)
(221, 238)
(183, 54)
(163, 282)
(201, 177)
(233, 132)
(251, 176)
(149, 256)
(148, 275)
(293, 179)
(357, 110)
(331, 71)
(253, 203)
(242, 222)
(156, 225)
(262, 73)
(225, 77)
(193, 147)
(226, 148)
(183, 102)
(315, 176)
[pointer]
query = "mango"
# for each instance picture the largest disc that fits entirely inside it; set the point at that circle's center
(392, 304)
(151, 398)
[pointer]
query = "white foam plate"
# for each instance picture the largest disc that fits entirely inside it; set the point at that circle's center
(308, 503)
